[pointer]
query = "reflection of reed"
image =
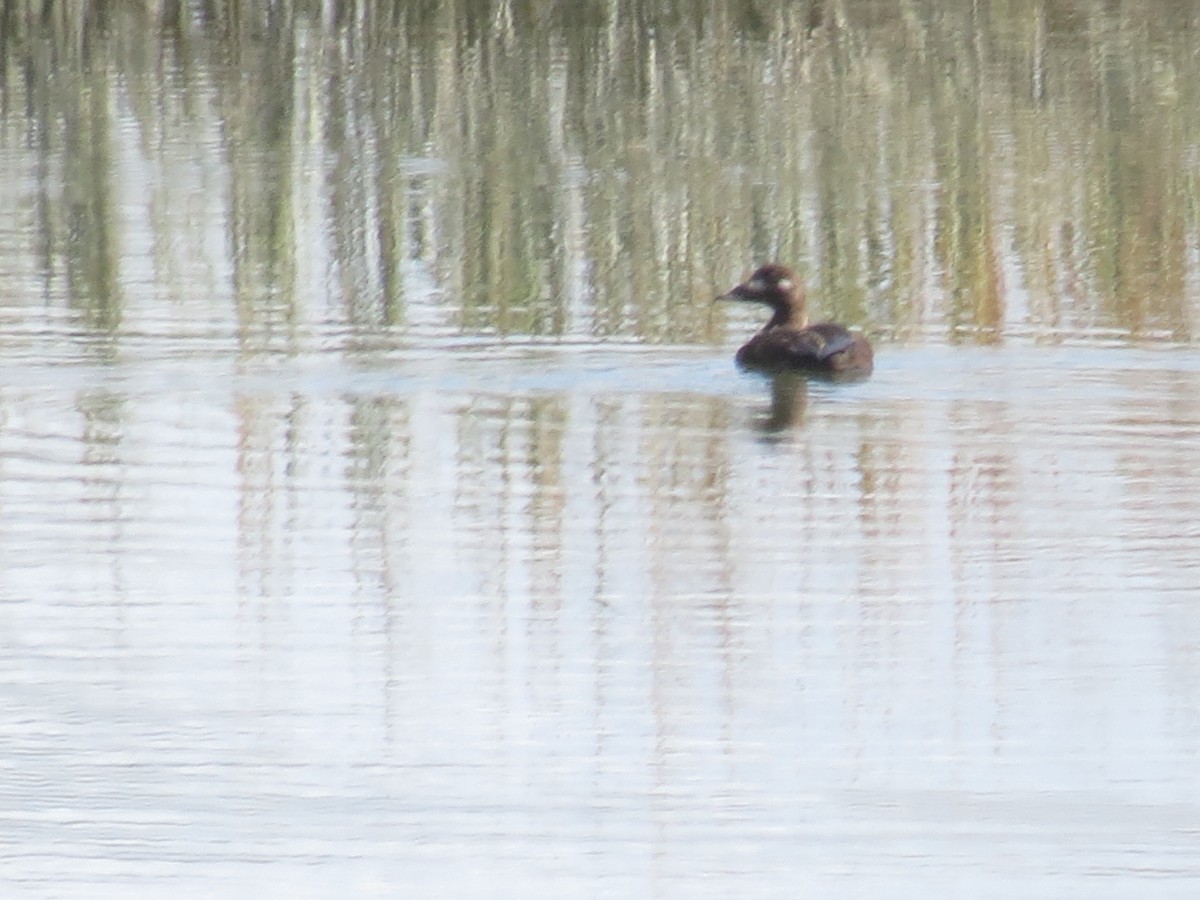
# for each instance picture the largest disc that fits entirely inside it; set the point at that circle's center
(602, 171)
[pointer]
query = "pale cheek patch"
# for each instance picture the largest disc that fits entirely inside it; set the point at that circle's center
(785, 284)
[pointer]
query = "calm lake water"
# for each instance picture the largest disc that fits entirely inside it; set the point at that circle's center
(381, 513)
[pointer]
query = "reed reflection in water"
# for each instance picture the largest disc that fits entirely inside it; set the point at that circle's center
(971, 174)
(535, 621)
(380, 509)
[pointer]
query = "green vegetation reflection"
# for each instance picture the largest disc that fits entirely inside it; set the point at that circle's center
(937, 171)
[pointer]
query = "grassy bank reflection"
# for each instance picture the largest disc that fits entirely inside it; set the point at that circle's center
(1004, 169)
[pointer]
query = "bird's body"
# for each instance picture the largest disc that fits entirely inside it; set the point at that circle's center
(787, 342)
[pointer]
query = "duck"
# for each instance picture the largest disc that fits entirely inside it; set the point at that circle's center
(787, 343)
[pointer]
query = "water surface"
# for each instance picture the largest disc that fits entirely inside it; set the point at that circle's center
(381, 511)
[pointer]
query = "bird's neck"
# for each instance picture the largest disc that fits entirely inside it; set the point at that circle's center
(789, 313)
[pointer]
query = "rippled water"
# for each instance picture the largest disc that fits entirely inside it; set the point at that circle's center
(381, 513)
(579, 620)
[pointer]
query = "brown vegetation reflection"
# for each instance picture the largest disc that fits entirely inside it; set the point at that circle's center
(291, 525)
(487, 168)
(971, 172)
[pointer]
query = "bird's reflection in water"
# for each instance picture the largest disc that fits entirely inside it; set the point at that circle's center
(789, 399)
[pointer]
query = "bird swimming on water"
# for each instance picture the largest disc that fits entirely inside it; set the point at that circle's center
(787, 342)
